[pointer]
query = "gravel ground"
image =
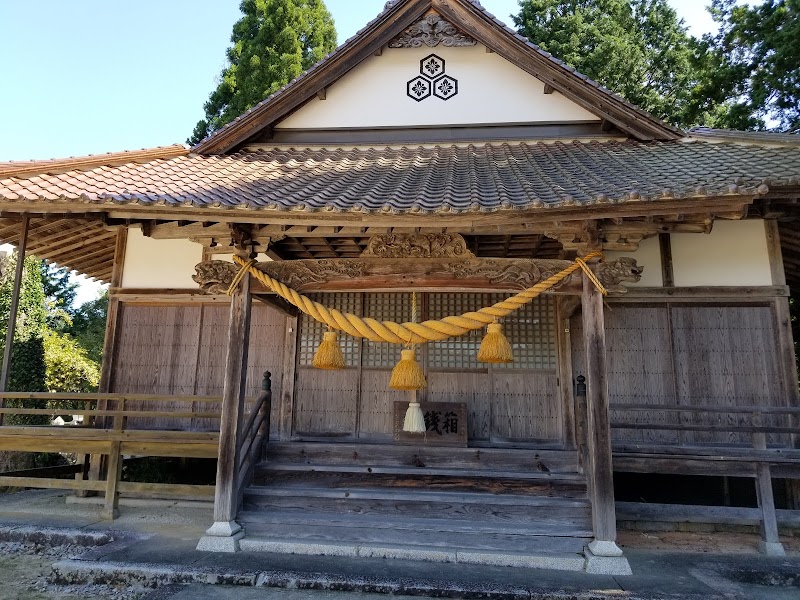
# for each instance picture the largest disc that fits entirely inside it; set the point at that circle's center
(25, 568)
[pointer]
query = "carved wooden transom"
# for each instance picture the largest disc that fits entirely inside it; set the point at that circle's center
(431, 31)
(417, 245)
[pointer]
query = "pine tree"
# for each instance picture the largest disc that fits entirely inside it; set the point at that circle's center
(754, 64)
(274, 42)
(638, 49)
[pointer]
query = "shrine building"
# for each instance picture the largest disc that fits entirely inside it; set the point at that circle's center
(436, 190)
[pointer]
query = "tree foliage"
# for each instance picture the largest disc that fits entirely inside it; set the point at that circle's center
(88, 326)
(59, 290)
(68, 366)
(274, 42)
(754, 64)
(639, 49)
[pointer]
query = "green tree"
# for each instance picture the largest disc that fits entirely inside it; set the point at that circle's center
(27, 372)
(88, 326)
(274, 42)
(638, 49)
(59, 290)
(754, 64)
(68, 367)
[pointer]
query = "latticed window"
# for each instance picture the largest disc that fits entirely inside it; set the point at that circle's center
(461, 352)
(311, 330)
(385, 307)
(531, 330)
(532, 333)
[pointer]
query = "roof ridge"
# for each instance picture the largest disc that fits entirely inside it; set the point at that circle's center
(90, 161)
(750, 137)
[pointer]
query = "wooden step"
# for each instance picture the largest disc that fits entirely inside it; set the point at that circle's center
(436, 538)
(520, 462)
(563, 485)
(508, 509)
(254, 519)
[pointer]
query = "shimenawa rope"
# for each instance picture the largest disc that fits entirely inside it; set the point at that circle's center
(411, 333)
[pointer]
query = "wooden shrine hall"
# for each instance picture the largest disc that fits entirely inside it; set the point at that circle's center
(380, 208)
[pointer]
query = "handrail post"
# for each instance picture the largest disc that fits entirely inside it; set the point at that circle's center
(770, 543)
(266, 411)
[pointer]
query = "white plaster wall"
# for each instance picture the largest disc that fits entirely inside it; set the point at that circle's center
(733, 254)
(159, 264)
(490, 90)
(648, 255)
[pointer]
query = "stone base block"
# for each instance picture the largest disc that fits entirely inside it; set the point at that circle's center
(606, 565)
(213, 543)
(771, 548)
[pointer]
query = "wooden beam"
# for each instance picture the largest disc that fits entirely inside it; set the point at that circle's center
(288, 375)
(277, 303)
(774, 252)
(565, 387)
(667, 272)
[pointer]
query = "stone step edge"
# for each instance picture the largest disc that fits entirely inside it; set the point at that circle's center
(73, 571)
(555, 562)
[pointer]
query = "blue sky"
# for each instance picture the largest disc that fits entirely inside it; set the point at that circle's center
(90, 76)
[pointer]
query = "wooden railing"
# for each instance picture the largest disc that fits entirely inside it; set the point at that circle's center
(113, 427)
(759, 459)
(254, 434)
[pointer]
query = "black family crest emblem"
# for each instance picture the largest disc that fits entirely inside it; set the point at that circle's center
(432, 81)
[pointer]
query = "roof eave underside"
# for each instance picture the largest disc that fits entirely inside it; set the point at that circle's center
(473, 20)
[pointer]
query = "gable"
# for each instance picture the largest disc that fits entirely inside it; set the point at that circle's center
(401, 21)
(439, 86)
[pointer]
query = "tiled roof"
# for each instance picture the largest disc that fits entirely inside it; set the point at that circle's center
(454, 178)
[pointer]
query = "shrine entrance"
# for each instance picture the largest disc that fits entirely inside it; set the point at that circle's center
(504, 405)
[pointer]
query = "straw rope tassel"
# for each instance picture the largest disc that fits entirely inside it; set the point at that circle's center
(407, 374)
(329, 355)
(495, 347)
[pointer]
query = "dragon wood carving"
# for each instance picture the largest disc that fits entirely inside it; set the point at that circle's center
(419, 245)
(501, 274)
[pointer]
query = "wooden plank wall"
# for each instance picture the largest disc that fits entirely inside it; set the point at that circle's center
(508, 404)
(180, 349)
(693, 355)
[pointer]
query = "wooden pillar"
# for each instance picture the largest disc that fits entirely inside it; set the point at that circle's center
(96, 463)
(12, 313)
(600, 473)
(770, 542)
(224, 534)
